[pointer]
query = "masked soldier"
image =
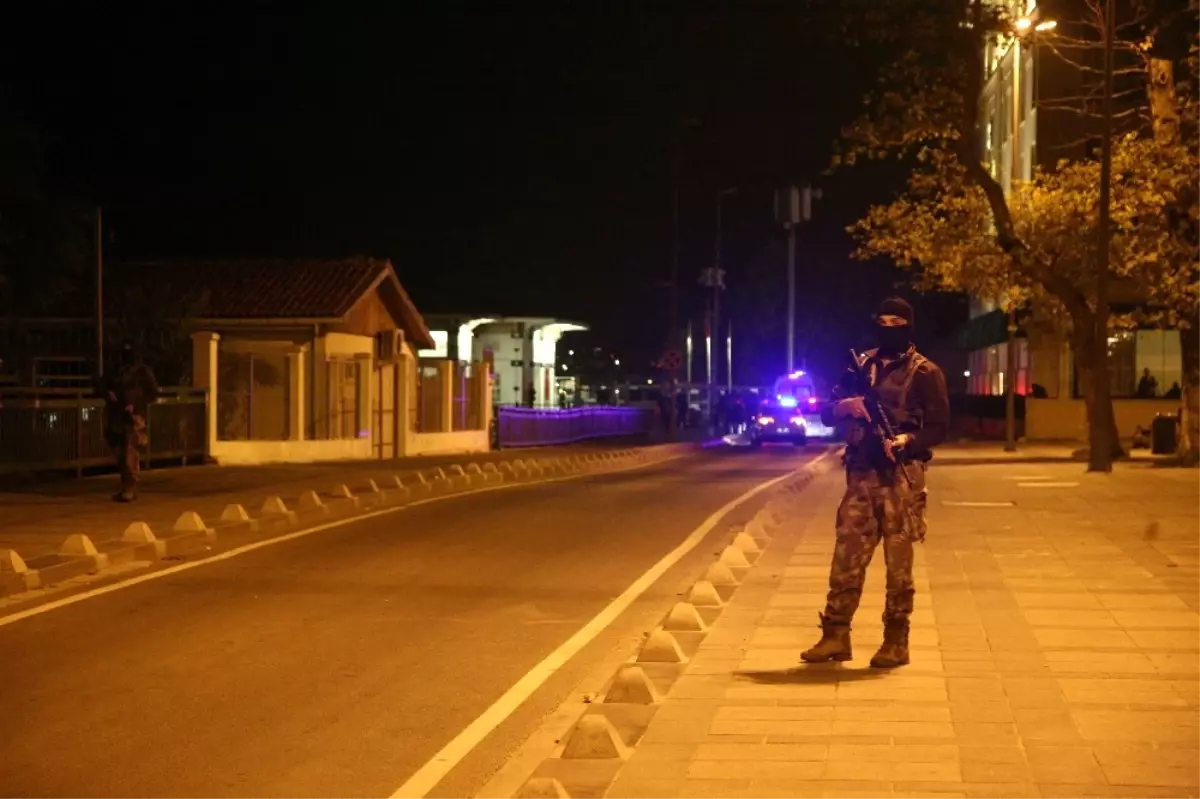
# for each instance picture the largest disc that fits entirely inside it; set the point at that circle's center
(885, 483)
(128, 394)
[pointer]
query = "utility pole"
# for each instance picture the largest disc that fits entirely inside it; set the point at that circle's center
(729, 358)
(1011, 363)
(673, 334)
(99, 293)
(791, 298)
(715, 279)
(793, 205)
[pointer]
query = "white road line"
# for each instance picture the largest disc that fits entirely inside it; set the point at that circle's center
(1019, 477)
(435, 770)
(1047, 485)
(242, 550)
(1008, 504)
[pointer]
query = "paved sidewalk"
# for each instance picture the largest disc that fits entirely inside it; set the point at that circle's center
(974, 452)
(1055, 653)
(36, 519)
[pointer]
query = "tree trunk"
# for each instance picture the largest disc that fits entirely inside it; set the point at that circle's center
(1189, 407)
(1097, 399)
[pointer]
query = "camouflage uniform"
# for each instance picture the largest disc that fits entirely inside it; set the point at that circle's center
(129, 395)
(884, 502)
(878, 506)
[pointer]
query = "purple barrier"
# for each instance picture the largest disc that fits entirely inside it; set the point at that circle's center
(540, 427)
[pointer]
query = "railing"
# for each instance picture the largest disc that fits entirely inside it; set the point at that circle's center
(54, 429)
(536, 427)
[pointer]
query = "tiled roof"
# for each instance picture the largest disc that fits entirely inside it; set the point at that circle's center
(277, 289)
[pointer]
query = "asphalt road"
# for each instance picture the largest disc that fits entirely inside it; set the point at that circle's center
(337, 664)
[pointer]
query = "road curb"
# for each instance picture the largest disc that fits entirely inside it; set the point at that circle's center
(638, 687)
(190, 535)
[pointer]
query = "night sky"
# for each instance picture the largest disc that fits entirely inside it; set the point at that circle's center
(514, 161)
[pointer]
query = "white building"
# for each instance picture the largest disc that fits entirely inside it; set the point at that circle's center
(1017, 137)
(522, 350)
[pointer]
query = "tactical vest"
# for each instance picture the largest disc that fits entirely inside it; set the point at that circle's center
(893, 383)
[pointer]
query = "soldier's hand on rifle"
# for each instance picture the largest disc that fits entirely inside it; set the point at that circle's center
(851, 408)
(895, 446)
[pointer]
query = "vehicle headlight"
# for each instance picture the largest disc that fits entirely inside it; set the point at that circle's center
(766, 420)
(798, 421)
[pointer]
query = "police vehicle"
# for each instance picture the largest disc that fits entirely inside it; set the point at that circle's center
(785, 415)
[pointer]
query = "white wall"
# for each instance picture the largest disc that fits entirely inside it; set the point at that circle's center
(255, 453)
(506, 352)
(1066, 419)
(462, 441)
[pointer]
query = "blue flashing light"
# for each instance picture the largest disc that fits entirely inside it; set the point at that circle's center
(794, 375)
(787, 402)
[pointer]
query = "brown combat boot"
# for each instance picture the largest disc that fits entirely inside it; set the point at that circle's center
(894, 651)
(834, 643)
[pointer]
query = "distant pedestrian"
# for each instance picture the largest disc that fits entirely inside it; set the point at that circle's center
(128, 393)
(885, 484)
(1147, 387)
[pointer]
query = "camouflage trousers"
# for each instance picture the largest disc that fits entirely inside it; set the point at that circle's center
(887, 507)
(129, 453)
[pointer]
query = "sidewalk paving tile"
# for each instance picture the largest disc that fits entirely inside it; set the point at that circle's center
(1055, 645)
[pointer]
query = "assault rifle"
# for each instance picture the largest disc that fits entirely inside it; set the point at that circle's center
(879, 422)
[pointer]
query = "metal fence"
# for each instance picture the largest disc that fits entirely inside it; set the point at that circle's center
(252, 396)
(48, 430)
(466, 412)
(535, 427)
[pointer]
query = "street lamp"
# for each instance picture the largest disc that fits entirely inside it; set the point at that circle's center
(1012, 365)
(715, 279)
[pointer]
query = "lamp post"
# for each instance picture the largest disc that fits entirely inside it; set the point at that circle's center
(793, 205)
(1025, 26)
(715, 279)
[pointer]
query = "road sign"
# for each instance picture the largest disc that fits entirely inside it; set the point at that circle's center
(671, 360)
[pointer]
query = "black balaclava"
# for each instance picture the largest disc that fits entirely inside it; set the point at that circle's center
(894, 340)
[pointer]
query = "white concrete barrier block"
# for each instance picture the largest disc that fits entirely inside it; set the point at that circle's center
(745, 542)
(757, 529)
(309, 500)
(78, 546)
(719, 574)
(343, 492)
(704, 595)
(661, 647)
(10, 561)
(234, 513)
(542, 788)
(474, 468)
(138, 533)
(190, 522)
(457, 471)
(684, 618)
(373, 487)
(595, 738)
(631, 686)
(274, 506)
(490, 467)
(734, 559)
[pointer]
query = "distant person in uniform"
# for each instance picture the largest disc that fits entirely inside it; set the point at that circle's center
(128, 393)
